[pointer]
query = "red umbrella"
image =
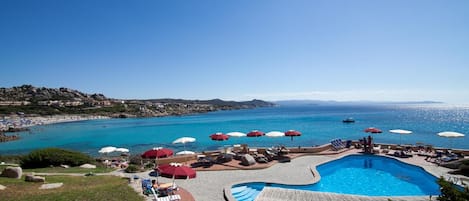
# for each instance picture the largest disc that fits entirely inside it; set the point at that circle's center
(255, 133)
(373, 130)
(219, 137)
(177, 171)
(157, 153)
(293, 133)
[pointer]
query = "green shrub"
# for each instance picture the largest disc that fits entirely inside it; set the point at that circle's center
(464, 169)
(450, 193)
(131, 169)
(54, 157)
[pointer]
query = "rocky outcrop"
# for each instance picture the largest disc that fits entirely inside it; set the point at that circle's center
(12, 172)
(6, 138)
(32, 178)
(88, 166)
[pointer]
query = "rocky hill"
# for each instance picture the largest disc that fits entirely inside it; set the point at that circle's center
(30, 100)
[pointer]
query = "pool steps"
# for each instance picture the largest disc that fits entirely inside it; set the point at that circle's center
(245, 193)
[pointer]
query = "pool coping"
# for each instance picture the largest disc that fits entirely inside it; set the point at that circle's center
(316, 177)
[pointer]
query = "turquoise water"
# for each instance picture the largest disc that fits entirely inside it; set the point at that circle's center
(366, 175)
(318, 123)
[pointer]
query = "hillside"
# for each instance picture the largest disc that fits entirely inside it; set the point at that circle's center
(30, 100)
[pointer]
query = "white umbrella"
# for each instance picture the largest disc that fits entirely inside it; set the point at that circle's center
(400, 132)
(450, 134)
(236, 134)
(106, 150)
(184, 140)
(275, 134)
(123, 150)
(185, 153)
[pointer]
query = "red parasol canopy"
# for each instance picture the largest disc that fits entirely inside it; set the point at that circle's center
(293, 133)
(157, 153)
(219, 136)
(373, 130)
(255, 133)
(177, 171)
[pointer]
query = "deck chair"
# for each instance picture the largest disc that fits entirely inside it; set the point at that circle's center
(147, 188)
(337, 144)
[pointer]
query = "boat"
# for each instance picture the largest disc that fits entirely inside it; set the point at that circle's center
(349, 120)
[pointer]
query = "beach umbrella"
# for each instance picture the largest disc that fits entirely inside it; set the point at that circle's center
(450, 135)
(275, 134)
(177, 171)
(236, 134)
(106, 150)
(185, 153)
(255, 133)
(292, 133)
(184, 140)
(122, 150)
(400, 132)
(219, 137)
(157, 152)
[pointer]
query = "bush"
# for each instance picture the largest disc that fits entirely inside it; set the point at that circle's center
(135, 159)
(450, 193)
(131, 169)
(54, 157)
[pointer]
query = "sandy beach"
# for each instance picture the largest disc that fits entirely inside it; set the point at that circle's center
(20, 122)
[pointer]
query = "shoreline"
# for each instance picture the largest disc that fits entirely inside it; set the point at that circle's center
(16, 123)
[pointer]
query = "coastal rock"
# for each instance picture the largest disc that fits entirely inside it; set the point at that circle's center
(88, 166)
(32, 178)
(51, 186)
(12, 172)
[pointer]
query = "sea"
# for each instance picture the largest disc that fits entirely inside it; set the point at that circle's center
(318, 123)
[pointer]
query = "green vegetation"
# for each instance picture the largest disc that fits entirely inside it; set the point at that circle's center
(54, 157)
(74, 188)
(450, 193)
(132, 168)
(98, 169)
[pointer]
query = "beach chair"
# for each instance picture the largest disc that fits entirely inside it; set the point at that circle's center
(147, 188)
(337, 144)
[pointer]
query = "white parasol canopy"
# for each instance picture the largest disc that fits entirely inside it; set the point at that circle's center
(185, 153)
(275, 134)
(123, 150)
(184, 140)
(236, 134)
(400, 132)
(450, 134)
(106, 150)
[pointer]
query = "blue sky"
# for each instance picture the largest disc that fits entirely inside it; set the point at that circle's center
(395, 50)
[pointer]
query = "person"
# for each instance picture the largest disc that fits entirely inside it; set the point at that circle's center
(154, 184)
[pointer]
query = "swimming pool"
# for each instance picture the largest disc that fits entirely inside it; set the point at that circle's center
(367, 175)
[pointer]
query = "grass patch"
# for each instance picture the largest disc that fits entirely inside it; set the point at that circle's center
(69, 170)
(75, 188)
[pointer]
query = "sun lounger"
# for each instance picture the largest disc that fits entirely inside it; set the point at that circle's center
(337, 144)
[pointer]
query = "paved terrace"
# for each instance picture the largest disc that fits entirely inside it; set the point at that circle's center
(210, 185)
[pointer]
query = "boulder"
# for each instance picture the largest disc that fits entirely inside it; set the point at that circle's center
(2, 187)
(32, 178)
(12, 172)
(247, 160)
(88, 166)
(64, 166)
(51, 186)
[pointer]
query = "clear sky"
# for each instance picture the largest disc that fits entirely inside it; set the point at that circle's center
(396, 50)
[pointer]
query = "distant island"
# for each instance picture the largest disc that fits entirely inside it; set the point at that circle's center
(28, 105)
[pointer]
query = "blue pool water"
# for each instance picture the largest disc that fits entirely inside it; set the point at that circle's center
(364, 175)
(318, 123)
